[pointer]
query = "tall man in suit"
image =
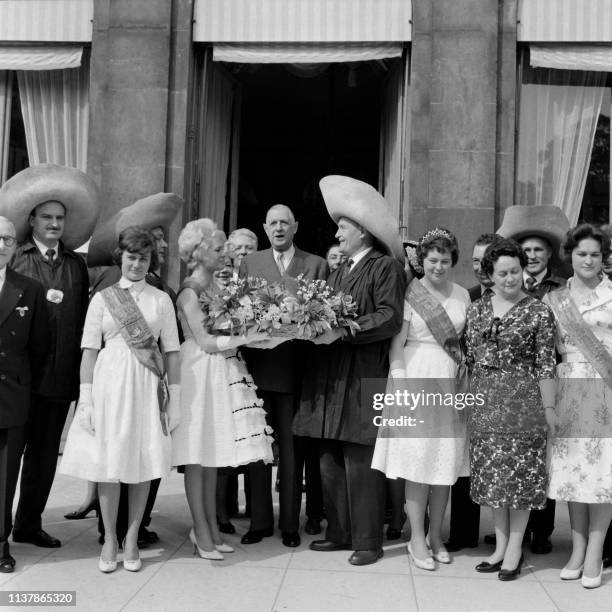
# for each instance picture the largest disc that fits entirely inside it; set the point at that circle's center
(332, 408)
(23, 343)
(276, 373)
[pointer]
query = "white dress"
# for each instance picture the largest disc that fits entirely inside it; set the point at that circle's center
(129, 444)
(434, 461)
(223, 422)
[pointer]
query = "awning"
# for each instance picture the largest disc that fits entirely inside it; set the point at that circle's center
(565, 21)
(39, 58)
(572, 57)
(272, 21)
(304, 53)
(46, 20)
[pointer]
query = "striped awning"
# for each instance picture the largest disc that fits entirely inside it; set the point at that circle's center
(565, 21)
(46, 20)
(276, 21)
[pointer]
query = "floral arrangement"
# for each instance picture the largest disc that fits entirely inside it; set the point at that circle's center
(293, 308)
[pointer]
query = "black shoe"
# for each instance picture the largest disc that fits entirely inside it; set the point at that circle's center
(540, 546)
(313, 526)
(7, 564)
(366, 557)
(226, 527)
(291, 538)
(38, 538)
(488, 568)
(506, 575)
(77, 515)
(252, 536)
(146, 537)
(452, 546)
(328, 546)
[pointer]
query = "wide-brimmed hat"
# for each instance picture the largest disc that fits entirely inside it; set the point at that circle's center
(156, 210)
(35, 185)
(548, 222)
(360, 202)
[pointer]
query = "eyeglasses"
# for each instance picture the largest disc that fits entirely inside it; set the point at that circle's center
(9, 241)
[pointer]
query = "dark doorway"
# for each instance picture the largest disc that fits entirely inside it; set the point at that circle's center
(297, 127)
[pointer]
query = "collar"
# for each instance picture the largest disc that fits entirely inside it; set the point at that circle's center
(43, 249)
(287, 255)
(357, 257)
(538, 277)
(125, 283)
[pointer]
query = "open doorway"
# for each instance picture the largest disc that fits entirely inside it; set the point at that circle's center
(267, 134)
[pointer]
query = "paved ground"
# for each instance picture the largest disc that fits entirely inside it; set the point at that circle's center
(270, 577)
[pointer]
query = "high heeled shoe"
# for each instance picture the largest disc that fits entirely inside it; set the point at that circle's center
(505, 575)
(224, 548)
(212, 555)
(592, 583)
(441, 556)
(131, 565)
(77, 515)
(106, 567)
(426, 564)
(571, 574)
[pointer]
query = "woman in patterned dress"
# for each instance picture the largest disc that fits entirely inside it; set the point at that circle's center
(222, 420)
(510, 349)
(580, 453)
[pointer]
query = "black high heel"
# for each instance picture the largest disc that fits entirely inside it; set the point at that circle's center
(76, 515)
(507, 575)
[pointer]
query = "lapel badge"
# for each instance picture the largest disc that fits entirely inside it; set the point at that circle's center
(22, 310)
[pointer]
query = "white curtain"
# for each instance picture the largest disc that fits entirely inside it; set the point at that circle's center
(6, 90)
(557, 121)
(55, 108)
(24, 57)
(572, 57)
(215, 143)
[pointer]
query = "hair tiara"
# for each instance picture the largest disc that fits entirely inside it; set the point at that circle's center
(435, 233)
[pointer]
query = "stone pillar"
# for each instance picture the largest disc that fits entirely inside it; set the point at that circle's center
(461, 157)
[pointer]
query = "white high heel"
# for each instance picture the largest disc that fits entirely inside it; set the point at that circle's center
(212, 555)
(224, 548)
(592, 583)
(571, 574)
(132, 565)
(107, 567)
(426, 564)
(442, 556)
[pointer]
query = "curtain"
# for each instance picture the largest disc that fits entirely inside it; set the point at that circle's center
(558, 115)
(23, 57)
(6, 90)
(215, 137)
(55, 108)
(572, 57)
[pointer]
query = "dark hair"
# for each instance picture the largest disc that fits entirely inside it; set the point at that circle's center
(581, 232)
(503, 247)
(437, 240)
(136, 239)
(332, 246)
(486, 239)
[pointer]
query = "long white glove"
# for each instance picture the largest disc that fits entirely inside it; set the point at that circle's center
(85, 409)
(174, 406)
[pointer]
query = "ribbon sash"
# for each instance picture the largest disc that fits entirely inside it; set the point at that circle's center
(580, 333)
(138, 336)
(441, 327)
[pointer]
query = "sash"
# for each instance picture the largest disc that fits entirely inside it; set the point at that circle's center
(441, 327)
(140, 340)
(580, 333)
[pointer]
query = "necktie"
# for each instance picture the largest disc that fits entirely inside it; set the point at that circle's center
(281, 264)
(347, 268)
(50, 254)
(530, 283)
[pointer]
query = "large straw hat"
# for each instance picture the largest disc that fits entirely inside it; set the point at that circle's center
(156, 210)
(548, 222)
(360, 202)
(35, 185)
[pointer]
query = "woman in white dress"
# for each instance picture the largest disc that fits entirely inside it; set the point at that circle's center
(120, 433)
(222, 420)
(429, 465)
(580, 451)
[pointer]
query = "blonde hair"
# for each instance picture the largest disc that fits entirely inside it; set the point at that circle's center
(196, 240)
(243, 231)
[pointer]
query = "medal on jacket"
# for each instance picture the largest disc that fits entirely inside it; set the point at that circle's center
(55, 295)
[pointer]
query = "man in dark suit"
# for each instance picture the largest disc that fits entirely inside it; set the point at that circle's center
(23, 343)
(276, 373)
(465, 514)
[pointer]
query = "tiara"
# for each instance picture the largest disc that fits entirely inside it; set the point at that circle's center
(436, 233)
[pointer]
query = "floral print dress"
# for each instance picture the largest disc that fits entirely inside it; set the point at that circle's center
(508, 356)
(580, 468)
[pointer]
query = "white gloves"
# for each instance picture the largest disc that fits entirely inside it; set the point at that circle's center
(174, 406)
(85, 409)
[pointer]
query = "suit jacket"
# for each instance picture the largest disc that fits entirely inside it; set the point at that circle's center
(331, 405)
(24, 342)
(279, 369)
(60, 378)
